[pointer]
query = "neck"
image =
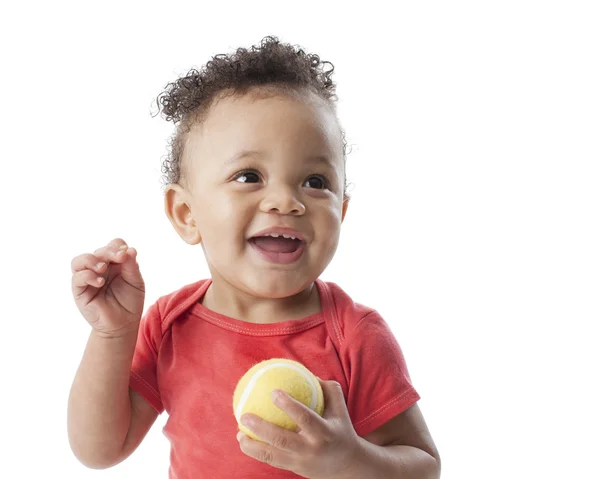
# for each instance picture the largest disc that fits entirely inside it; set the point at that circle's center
(224, 298)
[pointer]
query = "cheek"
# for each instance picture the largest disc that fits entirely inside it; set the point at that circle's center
(222, 221)
(329, 226)
(333, 215)
(211, 209)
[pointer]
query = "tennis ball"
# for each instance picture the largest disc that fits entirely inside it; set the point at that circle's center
(253, 392)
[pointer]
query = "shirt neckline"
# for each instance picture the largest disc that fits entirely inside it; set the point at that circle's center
(261, 329)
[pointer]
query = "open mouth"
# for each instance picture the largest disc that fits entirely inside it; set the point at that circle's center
(278, 249)
(276, 245)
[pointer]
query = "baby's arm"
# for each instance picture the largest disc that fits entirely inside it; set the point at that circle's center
(106, 419)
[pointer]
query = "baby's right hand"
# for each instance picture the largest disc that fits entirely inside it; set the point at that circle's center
(113, 306)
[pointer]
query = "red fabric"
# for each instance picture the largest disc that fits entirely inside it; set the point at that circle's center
(188, 360)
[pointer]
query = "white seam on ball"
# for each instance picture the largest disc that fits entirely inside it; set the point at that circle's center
(248, 389)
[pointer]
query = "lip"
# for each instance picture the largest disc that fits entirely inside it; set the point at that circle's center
(280, 230)
(279, 258)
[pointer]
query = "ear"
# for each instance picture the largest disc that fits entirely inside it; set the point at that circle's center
(345, 207)
(179, 212)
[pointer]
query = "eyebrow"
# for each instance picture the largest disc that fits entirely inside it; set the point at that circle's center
(250, 153)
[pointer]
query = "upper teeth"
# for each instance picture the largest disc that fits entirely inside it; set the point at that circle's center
(275, 235)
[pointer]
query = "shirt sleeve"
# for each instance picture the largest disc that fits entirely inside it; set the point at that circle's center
(143, 377)
(380, 387)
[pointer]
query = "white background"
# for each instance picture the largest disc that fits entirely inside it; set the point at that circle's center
(473, 227)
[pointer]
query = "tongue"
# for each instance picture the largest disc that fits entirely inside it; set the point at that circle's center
(276, 245)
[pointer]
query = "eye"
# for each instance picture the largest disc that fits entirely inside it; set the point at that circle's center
(248, 176)
(317, 181)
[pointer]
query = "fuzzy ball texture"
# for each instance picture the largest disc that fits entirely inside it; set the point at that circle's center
(253, 392)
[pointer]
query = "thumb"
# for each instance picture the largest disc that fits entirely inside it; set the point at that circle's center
(335, 403)
(130, 269)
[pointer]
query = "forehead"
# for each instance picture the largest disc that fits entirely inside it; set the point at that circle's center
(265, 119)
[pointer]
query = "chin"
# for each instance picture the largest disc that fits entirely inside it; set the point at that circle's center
(276, 286)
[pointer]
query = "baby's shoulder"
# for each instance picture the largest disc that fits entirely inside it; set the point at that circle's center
(171, 305)
(345, 311)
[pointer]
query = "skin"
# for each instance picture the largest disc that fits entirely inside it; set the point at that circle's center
(220, 208)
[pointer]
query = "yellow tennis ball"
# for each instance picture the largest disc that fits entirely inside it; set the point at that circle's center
(253, 392)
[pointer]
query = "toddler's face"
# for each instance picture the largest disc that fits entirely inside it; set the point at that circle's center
(260, 162)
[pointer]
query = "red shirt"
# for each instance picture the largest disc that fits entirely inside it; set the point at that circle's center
(188, 360)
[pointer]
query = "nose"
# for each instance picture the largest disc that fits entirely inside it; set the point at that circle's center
(282, 200)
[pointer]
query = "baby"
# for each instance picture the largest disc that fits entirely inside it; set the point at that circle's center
(256, 176)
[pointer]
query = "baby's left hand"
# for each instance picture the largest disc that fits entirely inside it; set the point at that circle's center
(324, 447)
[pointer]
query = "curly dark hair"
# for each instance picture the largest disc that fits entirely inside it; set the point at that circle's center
(272, 64)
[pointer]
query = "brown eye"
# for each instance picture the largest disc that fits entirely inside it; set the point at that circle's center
(316, 182)
(247, 176)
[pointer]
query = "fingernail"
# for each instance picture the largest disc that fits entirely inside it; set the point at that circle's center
(239, 436)
(276, 395)
(99, 265)
(123, 246)
(247, 421)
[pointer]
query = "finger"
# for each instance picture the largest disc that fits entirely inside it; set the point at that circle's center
(335, 402)
(112, 254)
(119, 255)
(130, 269)
(265, 452)
(88, 261)
(85, 278)
(116, 243)
(277, 436)
(307, 420)
(113, 245)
